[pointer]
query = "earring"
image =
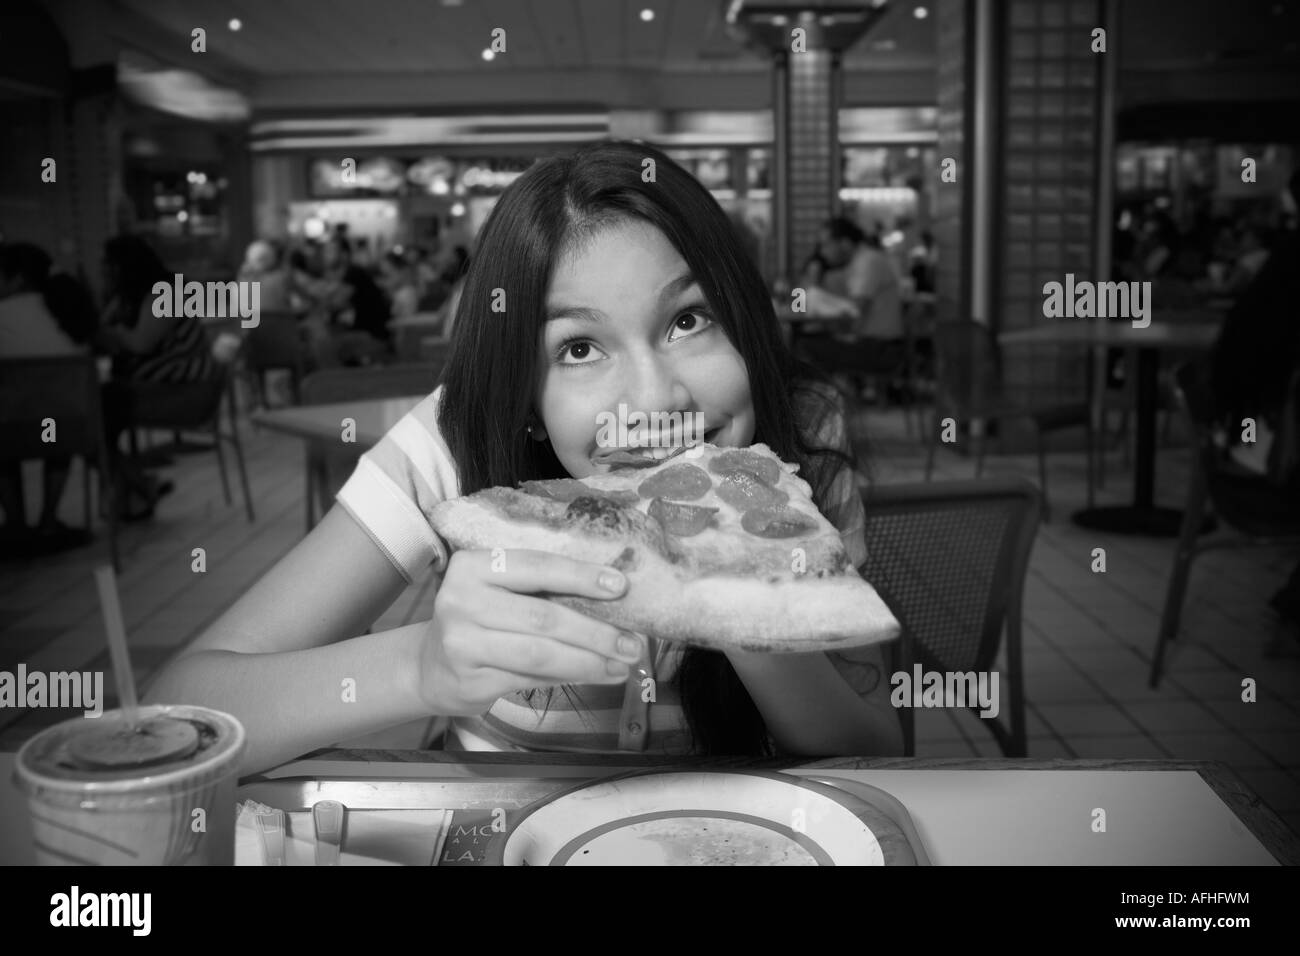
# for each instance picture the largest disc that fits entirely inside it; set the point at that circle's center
(529, 429)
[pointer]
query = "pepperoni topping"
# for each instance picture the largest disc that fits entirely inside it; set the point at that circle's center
(742, 459)
(598, 511)
(778, 522)
(744, 490)
(681, 482)
(679, 520)
(569, 489)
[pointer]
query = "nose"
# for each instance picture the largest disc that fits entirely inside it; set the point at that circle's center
(653, 384)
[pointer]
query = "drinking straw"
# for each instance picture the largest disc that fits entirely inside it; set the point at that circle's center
(117, 651)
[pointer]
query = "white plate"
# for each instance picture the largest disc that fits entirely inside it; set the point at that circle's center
(696, 818)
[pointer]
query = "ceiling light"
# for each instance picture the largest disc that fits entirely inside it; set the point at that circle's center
(235, 25)
(489, 55)
(920, 13)
(647, 15)
(458, 209)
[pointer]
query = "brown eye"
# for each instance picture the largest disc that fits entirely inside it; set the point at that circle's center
(574, 351)
(691, 323)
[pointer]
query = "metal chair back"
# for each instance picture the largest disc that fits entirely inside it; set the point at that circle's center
(949, 559)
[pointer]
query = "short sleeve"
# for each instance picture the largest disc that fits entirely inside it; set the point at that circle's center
(395, 486)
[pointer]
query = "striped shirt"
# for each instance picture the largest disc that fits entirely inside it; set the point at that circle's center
(391, 494)
(182, 355)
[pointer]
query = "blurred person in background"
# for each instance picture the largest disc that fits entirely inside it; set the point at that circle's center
(859, 278)
(421, 261)
(146, 349)
(355, 302)
(1251, 254)
(397, 279)
(1255, 373)
(923, 260)
(446, 313)
(448, 266)
(41, 316)
(264, 265)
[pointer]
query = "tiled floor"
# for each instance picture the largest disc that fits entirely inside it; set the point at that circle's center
(1087, 637)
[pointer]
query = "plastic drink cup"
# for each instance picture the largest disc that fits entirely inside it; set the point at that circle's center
(161, 793)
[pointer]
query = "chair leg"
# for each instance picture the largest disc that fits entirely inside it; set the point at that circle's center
(257, 381)
(243, 472)
(1125, 448)
(933, 441)
(1187, 551)
(981, 446)
(85, 493)
(1042, 476)
(1099, 450)
(221, 465)
(1089, 460)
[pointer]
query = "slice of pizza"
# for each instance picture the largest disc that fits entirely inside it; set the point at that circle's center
(722, 548)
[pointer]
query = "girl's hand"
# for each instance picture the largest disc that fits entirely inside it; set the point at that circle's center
(493, 633)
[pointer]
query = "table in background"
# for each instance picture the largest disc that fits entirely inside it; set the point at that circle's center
(1141, 517)
(322, 425)
(795, 324)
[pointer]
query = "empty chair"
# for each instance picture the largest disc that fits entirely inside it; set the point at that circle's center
(276, 342)
(347, 384)
(949, 559)
(194, 406)
(969, 386)
(65, 392)
(1256, 511)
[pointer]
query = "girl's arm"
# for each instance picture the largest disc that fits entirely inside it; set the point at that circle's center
(283, 660)
(266, 661)
(811, 710)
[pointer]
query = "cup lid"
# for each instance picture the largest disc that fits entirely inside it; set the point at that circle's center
(92, 755)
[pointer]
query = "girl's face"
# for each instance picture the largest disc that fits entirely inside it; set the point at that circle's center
(628, 325)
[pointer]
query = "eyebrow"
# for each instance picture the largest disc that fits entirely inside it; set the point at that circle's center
(580, 313)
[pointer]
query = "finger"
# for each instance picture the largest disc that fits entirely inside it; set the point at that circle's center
(528, 572)
(525, 614)
(545, 661)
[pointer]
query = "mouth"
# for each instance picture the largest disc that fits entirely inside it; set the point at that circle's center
(646, 456)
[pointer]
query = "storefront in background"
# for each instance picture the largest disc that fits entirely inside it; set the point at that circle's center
(1194, 180)
(381, 201)
(388, 193)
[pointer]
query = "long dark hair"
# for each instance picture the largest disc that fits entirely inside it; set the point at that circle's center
(65, 297)
(492, 371)
(135, 269)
